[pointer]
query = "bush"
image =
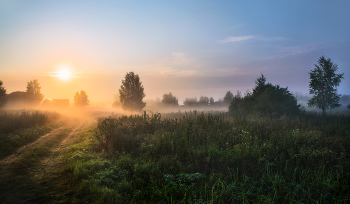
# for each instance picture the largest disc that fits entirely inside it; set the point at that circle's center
(266, 100)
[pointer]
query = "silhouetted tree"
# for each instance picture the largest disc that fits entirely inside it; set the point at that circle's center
(211, 101)
(2, 94)
(228, 97)
(266, 99)
(169, 99)
(33, 91)
(241, 105)
(190, 102)
(203, 100)
(131, 93)
(323, 85)
(81, 99)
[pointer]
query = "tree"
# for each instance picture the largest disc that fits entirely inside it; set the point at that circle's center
(190, 102)
(228, 97)
(2, 94)
(81, 99)
(169, 99)
(33, 91)
(266, 99)
(204, 101)
(211, 101)
(323, 85)
(131, 93)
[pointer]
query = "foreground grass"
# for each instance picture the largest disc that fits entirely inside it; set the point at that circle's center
(35, 175)
(213, 159)
(12, 120)
(19, 128)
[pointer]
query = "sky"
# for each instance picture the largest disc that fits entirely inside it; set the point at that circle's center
(189, 48)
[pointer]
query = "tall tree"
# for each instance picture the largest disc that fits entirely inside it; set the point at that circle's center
(132, 93)
(190, 102)
(81, 99)
(33, 89)
(266, 100)
(169, 99)
(323, 85)
(228, 97)
(2, 94)
(211, 101)
(204, 100)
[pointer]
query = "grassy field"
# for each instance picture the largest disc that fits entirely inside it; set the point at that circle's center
(212, 158)
(20, 127)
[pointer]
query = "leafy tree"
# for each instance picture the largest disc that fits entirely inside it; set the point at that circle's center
(131, 93)
(33, 90)
(323, 85)
(211, 101)
(2, 94)
(169, 99)
(204, 101)
(228, 97)
(241, 105)
(190, 102)
(81, 99)
(266, 99)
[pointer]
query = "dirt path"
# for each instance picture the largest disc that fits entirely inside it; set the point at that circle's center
(27, 175)
(11, 157)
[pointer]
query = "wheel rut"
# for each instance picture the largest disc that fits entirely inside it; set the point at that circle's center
(26, 176)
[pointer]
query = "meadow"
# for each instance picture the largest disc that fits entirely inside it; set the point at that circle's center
(20, 127)
(213, 157)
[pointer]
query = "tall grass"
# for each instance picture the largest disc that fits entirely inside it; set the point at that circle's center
(213, 158)
(19, 119)
(20, 127)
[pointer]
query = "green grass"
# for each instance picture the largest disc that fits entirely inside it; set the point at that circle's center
(37, 174)
(12, 120)
(18, 128)
(213, 158)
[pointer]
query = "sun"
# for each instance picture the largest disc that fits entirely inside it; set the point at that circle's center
(64, 74)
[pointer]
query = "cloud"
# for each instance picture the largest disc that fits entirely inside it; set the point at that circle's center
(237, 39)
(294, 50)
(248, 37)
(271, 38)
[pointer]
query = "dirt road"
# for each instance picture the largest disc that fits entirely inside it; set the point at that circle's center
(32, 173)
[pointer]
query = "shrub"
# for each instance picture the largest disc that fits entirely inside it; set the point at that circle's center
(266, 100)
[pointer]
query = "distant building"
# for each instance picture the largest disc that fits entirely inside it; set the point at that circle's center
(60, 102)
(56, 102)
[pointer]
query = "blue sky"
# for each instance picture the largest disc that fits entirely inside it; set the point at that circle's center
(190, 48)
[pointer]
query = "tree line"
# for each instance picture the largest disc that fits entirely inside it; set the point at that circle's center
(265, 98)
(33, 96)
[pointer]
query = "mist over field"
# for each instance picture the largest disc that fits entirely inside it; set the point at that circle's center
(174, 101)
(191, 49)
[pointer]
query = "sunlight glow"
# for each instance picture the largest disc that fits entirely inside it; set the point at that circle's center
(64, 74)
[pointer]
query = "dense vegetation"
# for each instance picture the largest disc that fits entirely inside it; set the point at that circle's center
(265, 100)
(14, 120)
(213, 158)
(19, 127)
